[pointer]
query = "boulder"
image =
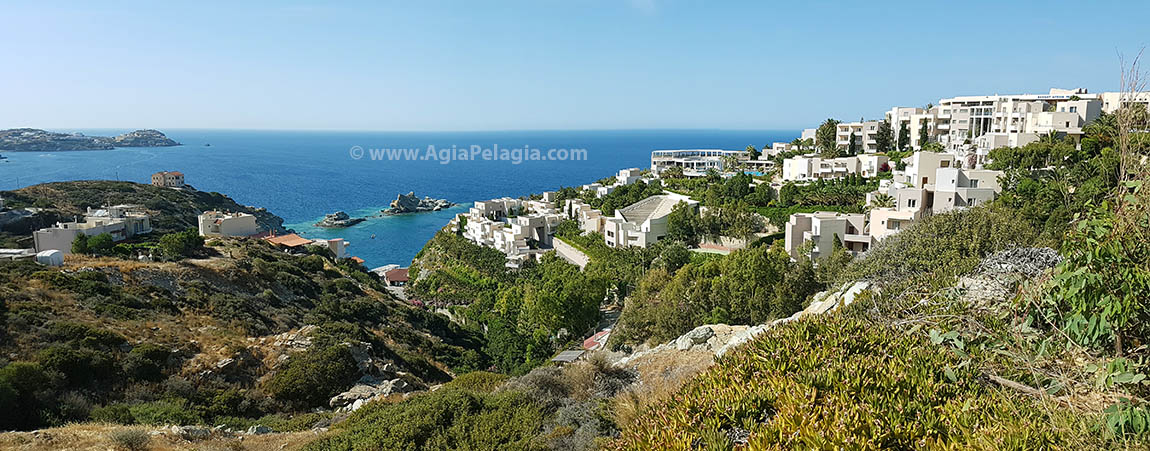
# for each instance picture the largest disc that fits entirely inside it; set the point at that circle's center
(697, 336)
(368, 389)
(259, 429)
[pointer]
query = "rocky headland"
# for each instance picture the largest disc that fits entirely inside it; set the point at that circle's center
(35, 140)
(409, 203)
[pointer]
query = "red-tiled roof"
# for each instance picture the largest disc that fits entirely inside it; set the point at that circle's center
(357, 260)
(396, 275)
(596, 340)
(289, 240)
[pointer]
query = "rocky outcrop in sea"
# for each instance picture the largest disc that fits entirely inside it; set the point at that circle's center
(409, 203)
(35, 140)
(338, 220)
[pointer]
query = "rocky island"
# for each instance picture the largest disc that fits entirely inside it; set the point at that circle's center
(35, 140)
(409, 203)
(338, 220)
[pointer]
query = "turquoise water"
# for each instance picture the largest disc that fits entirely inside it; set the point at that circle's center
(301, 176)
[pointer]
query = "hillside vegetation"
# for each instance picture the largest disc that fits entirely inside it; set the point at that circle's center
(250, 335)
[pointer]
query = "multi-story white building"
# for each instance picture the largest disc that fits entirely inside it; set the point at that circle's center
(643, 222)
(821, 229)
(810, 167)
(119, 221)
(518, 228)
(216, 223)
(694, 162)
(589, 219)
(865, 135)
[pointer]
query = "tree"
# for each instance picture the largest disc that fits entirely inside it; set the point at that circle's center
(101, 244)
(882, 200)
(683, 224)
(673, 172)
(80, 244)
(903, 136)
(753, 152)
(181, 244)
(852, 146)
(825, 138)
(923, 133)
(885, 137)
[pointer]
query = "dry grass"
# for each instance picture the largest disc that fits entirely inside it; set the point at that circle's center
(90, 436)
(661, 375)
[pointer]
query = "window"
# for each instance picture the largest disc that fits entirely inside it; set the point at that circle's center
(1073, 109)
(911, 203)
(944, 164)
(974, 183)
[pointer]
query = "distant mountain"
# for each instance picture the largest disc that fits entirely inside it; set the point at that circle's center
(35, 140)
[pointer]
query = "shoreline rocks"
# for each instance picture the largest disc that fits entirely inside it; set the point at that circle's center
(409, 203)
(338, 220)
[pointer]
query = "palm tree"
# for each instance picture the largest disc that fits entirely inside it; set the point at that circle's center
(881, 200)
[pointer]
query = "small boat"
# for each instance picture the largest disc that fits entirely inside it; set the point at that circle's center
(207, 145)
(3, 157)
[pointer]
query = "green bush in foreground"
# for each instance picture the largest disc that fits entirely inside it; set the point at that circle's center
(836, 382)
(450, 418)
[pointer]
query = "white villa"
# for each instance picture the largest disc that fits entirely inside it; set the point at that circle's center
(120, 221)
(811, 167)
(216, 223)
(822, 228)
(643, 222)
(624, 177)
(518, 228)
(930, 184)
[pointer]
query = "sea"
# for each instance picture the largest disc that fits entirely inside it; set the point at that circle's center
(303, 175)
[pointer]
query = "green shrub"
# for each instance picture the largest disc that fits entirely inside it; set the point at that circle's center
(479, 381)
(312, 377)
(19, 384)
(444, 419)
(169, 411)
(80, 367)
(113, 413)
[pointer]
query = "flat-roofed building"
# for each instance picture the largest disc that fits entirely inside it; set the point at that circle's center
(119, 221)
(217, 223)
(168, 179)
(821, 229)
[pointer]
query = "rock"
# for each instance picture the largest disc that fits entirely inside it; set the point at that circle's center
(409, 203)
(259, 429)
(226, 364)
(191, 433)
(338, 219)
(698, 335)
(367, 390)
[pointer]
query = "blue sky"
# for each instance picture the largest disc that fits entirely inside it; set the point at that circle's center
(466, 65)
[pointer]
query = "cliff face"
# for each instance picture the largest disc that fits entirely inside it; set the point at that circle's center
(35, 140)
